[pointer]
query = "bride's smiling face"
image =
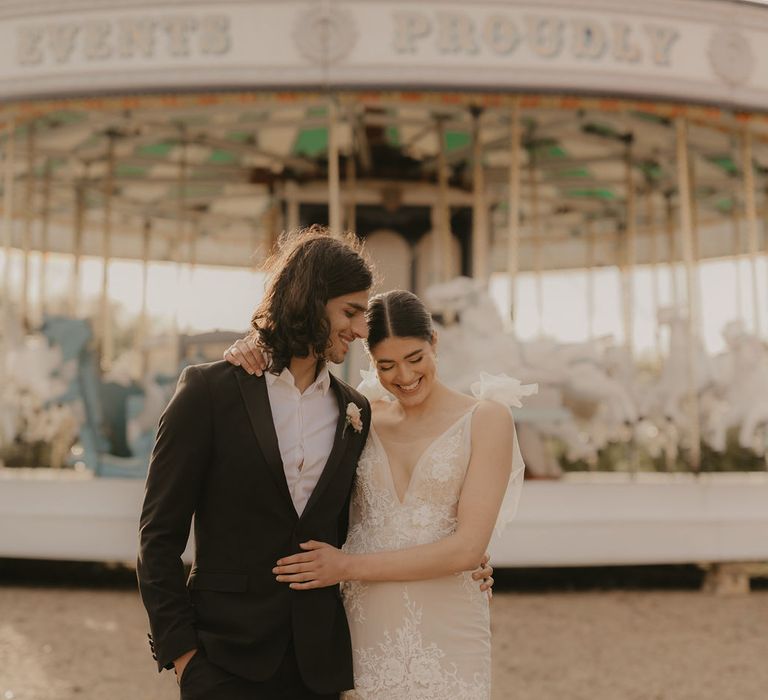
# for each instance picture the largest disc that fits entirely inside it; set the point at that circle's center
(406, 367)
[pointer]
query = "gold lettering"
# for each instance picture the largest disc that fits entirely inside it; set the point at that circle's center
(588, 39)
(61, 39)
(409, 28)
(623, 49)
(500, 33)
(455, 33)
(28, 52)
(214, 35)
(545, 36)
(136, 36)
(95, 36)
(178, 30)
(662, 39)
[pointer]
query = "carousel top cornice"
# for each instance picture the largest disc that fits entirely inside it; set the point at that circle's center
(711, 52)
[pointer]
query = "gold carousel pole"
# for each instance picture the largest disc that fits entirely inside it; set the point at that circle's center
(650, 211)
(8, 181)
(45, 220)
(480, 251)
(26, 243)
(79, 220)
(334, 185)
(178, 238)
(591, 254)
(629, 258)
(686, 228)
(293, 220)
(669, 215)
(444, 238)
(143, 327)
(351, 177)
(105, 321)
(536, 242)
(751, 212)
(736, 251)
(513, 210)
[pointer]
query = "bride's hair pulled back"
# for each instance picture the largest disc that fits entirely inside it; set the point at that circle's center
(399, 314)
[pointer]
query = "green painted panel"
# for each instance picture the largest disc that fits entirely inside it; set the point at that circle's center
(455, 140)
(724, 205)
(240, 136)
(221, 157)
(311, 142)
(126, 170)
(725, 162)
(393, 136)
(572, 173)
(591, 193)
(156, 150)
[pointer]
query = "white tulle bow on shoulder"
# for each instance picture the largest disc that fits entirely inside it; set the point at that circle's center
(501, 388)
(371, 387)
(508, 391)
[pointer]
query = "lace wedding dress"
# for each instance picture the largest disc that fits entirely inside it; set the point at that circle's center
(422, 640)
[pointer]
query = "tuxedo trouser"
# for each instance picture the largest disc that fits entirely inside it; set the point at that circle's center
(203, 680)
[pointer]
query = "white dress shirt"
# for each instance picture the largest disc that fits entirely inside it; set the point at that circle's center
(305, 425)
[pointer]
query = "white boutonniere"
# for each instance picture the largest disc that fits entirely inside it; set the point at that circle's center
(353, 418)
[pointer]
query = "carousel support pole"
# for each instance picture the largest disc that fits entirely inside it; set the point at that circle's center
(536, 232)
(334, 185)
(751, 215)
(292, 206)
(443, 241)
(181, 191)
(45, 215)
(650, 212)
(696, 247)
(591, 254)
(513, 211)
(77, 228)
(669, 213)
(9, 165)
(350, 223)
(629, 258)
(105, 320)
(143, 329)
(480, 248)
(737, 250)
(29, 213)
(686, 228)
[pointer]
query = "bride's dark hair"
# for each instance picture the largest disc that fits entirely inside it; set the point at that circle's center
(397, 313)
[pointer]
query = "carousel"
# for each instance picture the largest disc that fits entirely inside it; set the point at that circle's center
(470, 151)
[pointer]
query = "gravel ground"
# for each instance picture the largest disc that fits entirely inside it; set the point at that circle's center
(85, 644)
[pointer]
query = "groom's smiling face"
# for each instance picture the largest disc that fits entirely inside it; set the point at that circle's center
(346, 316)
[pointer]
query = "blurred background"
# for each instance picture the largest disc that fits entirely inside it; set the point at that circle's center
(578, 190)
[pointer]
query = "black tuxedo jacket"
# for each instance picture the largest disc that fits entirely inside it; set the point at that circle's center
(217, 458)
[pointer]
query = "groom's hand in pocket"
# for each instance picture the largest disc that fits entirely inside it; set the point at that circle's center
(181, 663)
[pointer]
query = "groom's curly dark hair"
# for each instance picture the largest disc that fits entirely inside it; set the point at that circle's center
(308, 268)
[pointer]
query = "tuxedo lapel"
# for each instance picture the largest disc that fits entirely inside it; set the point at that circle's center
(340, 442)
(254, 391)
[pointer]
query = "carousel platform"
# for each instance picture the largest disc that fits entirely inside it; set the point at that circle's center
(580, 520)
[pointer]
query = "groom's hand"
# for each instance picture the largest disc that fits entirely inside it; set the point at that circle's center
(181, 663)
(320, 565)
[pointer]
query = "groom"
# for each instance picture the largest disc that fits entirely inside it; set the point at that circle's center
(262, 463)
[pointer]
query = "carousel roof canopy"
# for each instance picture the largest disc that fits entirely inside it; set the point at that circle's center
(214, 177)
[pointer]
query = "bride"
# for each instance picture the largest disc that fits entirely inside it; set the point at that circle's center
(439, 471)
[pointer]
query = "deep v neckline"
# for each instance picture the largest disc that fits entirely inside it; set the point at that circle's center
(417, 463)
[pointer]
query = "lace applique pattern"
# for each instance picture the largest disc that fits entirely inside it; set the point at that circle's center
(405, 666)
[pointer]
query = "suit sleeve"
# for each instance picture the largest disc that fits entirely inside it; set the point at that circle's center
(176, 470)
